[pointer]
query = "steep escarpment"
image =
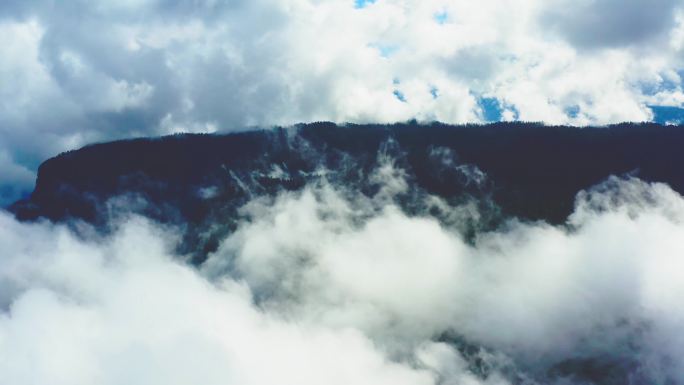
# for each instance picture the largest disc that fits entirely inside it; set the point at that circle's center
(199, 182)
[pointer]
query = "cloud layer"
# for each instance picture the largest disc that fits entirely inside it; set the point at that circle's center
(81, 72)
(329, 286)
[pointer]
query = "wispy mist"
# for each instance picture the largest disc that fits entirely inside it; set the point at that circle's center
(328, 285)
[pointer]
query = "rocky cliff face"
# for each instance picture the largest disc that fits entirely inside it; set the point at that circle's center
(198, 182)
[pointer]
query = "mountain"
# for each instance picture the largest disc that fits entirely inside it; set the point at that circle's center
(198, 182)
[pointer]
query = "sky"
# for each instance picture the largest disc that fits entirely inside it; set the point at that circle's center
(77, 72)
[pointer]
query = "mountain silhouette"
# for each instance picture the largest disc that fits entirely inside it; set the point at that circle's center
(199, 181)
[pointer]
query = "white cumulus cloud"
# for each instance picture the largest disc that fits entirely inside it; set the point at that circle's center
(77, 72)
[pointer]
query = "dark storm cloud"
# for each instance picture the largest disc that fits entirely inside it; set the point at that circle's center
(611, 23)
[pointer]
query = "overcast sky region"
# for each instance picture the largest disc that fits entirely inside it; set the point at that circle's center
(76, 72)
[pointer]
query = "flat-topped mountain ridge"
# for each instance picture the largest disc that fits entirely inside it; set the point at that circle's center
(525, 170)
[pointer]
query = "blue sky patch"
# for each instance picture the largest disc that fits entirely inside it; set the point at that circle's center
(441, 17)
(664, 114)
(386, 50)
(399, 95)
(362, 3)
(491, 109)
(572, 111)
